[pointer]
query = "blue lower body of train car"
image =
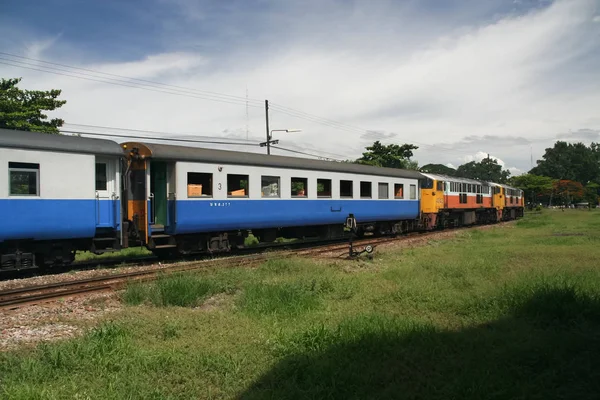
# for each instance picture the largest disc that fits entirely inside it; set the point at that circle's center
(195, 216)
(56, 219)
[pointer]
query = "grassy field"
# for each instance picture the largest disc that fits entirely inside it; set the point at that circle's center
(510, 312)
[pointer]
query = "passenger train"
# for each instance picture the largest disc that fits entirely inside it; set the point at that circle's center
(62, 194)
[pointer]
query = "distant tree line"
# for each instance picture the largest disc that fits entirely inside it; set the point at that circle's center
(400, 156)
(566, 174)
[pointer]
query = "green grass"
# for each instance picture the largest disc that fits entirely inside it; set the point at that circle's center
(132, 252)
(183, 290)
(512, 311)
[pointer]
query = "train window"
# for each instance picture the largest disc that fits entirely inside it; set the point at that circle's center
(199, 184)
(440, 185)
(24, 179)
(427, 184)
(299, 187)
(383, 190)
(479, 199)
(323, 187)
(413, 192)
(366, 190)
(462, 198)
(269, 186)
(237, 185)
(398, 191)
(346, 189)
(100, 176)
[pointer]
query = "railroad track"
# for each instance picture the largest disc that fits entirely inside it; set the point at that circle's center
(15, 298)
(27, 295)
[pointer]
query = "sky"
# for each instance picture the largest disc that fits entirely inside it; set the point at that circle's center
(460, 79)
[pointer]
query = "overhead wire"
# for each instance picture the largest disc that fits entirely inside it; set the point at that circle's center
(156, 132)
(159, 138)
(348, 128)
(304, 153)
(145, 81)
(115, 82)
(171, 139)
(148, 85)
(124, 81)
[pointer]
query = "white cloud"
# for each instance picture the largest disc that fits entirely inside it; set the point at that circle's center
(515, 171)
(386, 68)
(36, 48)
(480, 155)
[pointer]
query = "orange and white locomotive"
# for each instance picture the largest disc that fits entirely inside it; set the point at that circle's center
(448, 201)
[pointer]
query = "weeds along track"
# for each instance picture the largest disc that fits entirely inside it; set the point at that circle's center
(32, 294)
(15, 298)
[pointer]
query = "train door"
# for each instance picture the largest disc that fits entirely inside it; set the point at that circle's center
(158, 195)
(106, 193)
(137, 204)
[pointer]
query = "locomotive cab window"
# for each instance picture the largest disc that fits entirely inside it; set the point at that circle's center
(366, 190)
(237, 185)
(323, 187)
(384, 191)
(24, 179)
(101, 176)
(346, 189)
(199, 184)
(270, 186)
(440, 185)
(398, 191)
(299, 187)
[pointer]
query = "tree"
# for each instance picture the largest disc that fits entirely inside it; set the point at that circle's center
(568, 190)
(391, 156)
(22, 109)
(534, 186)
(591, 193)
(487, 169)
(575, 162)
(438, 169)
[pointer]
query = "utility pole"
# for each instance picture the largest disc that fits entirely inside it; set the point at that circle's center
(268, 133)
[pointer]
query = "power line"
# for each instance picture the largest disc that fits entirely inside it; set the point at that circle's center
(155, 132)
(306, 154)
(159, 87)
(124, 135)
(125, 81)
(159, 138)
(116, 82)
(348, 128)
(225, 96)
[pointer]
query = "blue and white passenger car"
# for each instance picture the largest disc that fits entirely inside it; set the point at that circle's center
(197, 199)
(58, 194)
